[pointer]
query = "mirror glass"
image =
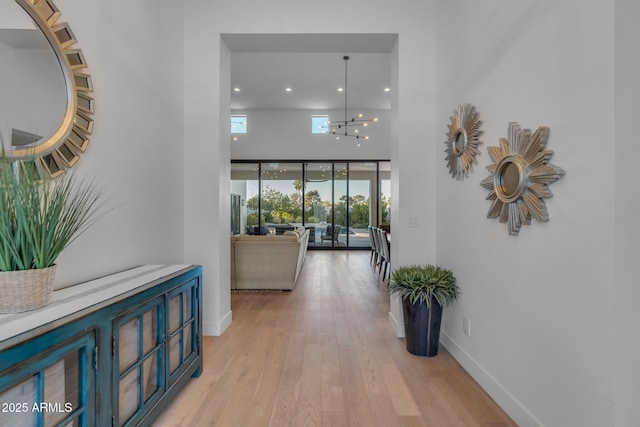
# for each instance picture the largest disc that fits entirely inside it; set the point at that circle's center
(33, 94)
(460, 142)
(510, 179)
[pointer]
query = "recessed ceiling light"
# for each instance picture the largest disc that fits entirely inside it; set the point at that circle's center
(236, 89)
(340, 89)
(288, 89)
(387, 89)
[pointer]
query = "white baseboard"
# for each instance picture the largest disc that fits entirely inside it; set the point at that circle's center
(216, 329)
(506, 400)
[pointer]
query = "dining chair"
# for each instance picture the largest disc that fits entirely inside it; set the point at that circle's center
(386, 254)
(374, 249)
(378, 245)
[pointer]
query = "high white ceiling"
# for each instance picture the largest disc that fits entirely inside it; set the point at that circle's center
(312, 65)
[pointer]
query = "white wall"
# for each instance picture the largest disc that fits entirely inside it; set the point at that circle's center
(542, 304)
(286, 134)
(207, 137)
(627, 203)
(136, 149)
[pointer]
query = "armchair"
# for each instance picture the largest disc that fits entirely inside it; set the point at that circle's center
(331, 234)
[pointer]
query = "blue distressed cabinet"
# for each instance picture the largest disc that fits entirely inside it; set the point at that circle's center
(110, 352)
(50, 385)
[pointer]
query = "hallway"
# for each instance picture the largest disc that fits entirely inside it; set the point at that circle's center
(324, 355)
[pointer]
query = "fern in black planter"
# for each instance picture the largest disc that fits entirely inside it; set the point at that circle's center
(424, 290)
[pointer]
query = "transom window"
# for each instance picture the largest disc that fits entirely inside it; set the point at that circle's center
(238, 124)
(319, 124)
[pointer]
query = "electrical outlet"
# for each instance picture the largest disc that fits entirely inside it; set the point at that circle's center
(466, 326)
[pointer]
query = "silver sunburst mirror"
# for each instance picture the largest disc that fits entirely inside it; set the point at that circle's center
(520, 177)
(462, 141)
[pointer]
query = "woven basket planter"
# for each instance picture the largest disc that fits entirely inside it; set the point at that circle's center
(25, 290)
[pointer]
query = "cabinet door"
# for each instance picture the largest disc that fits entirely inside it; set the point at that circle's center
(49, 387)
(137, 362)
(183, 334)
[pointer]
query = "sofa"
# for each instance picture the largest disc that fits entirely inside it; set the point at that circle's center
(267, 262)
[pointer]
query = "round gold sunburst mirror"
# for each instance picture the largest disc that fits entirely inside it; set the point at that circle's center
(49, 134)
(520, 177)
(462, 141)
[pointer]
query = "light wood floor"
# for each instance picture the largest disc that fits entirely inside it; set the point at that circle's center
(324, 355)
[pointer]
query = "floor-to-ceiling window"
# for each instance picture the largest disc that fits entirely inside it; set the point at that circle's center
(245, 185)
(363, 202)
(318, 194)
(335, 200)
(280, 196)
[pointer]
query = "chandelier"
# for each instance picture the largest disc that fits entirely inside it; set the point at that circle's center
(349, 127)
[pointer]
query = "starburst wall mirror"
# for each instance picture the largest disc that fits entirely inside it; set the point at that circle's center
(520, 177)
(462, 141)
(50, 118)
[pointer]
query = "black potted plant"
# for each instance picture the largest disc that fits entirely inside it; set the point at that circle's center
(425, 290)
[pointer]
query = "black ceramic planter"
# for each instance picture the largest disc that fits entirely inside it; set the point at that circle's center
(422, 327)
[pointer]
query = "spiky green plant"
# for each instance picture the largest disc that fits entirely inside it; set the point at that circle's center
(39, 218)
(420, 283)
